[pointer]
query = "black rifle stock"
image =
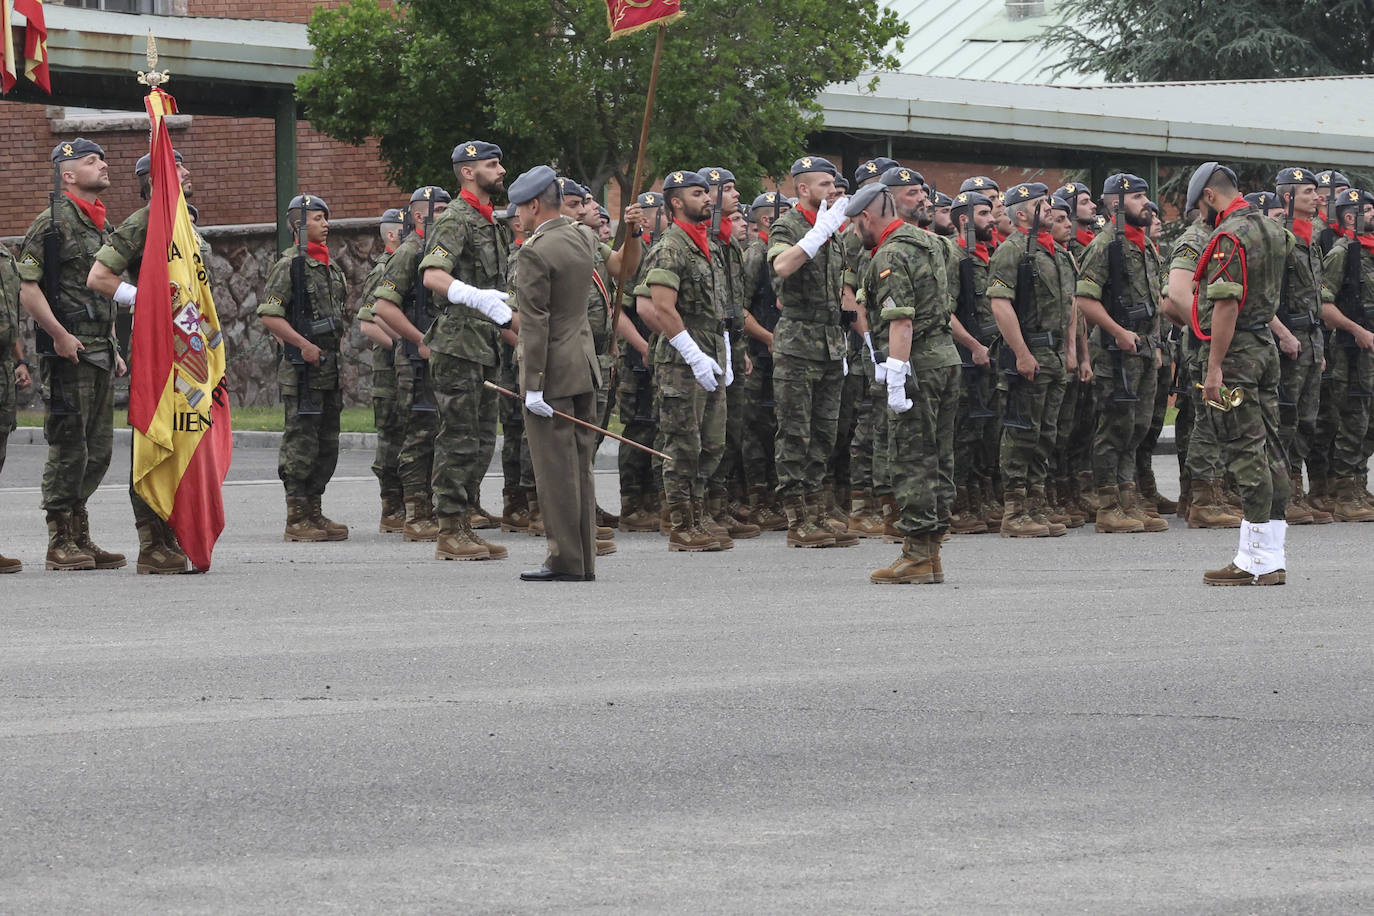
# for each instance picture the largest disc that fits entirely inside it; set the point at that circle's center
(302, 320)
(60, 403)
(966, 310)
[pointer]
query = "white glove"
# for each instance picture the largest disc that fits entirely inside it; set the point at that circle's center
(490, 302)
(729, 362)
(828, 219)
(126, 294)
(896, 385)
(535, 404)
(844, 365)
(879, 370)
(703, 367)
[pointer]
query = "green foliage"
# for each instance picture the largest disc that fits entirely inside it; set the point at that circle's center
(736, 87)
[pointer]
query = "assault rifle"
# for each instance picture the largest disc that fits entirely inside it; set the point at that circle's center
(417, 313)
(1350, 300)
(60, 397)
(966, 310)
(303, 320)
(1117, 307)
(1024, 301)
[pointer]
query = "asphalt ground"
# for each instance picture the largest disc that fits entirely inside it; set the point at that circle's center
(1072, 725)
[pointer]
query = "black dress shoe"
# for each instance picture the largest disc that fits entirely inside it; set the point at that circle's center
(544, 574)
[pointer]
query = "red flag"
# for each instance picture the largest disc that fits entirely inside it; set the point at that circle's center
(178, 399)
(35, 42)
(626, 16)
(9, 74)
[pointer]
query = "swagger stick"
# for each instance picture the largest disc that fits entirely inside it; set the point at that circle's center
(592, 426)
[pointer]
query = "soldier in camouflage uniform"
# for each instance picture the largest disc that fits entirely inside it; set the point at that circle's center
(310, 442)
(640, 488)
(519, 499)
(14, 369)
(1078, 414)
(761, 422)
(1032, 323)
(678, 300)
(158, 550)
(387, 420)
(1125, 353)
(465, 263)
(1147, 489)
(1297, 326)
(1240, 279)
(907, 279)
(726, 486)
(1348, 297)
(79, 420)
(1060, 489)
(808, 352)
(401, 300)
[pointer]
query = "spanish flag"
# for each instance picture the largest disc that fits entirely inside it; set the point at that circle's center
(178, 397)
(9, 75)
(35, 42)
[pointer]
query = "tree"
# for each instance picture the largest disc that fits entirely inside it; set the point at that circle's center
(736, 88)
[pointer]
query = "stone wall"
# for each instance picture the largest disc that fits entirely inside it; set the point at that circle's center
(240, 257)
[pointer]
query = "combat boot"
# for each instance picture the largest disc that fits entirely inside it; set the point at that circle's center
(1151, 500)
(735, 529)
(707, 525)
(1259, 559)
(801, 530)
(683, 534)
(1350, 504)
(158, 554)
(821, 506)
(536, 529)
(299, 526)
(762, 512)
(481, 519)
(1151, 523)
(332, 529)
(633, 515)
(496, 551)
(915, 565)
(1111, 515)
(966, 517)
(933, 545)
(1185, 497)
(1319, 516)
(863, 519)
(1038, 509)
(63, 554)
(81, 536)
(419, 524)
(457, 542)
(1206, 510)
(604, 533)
(1016, 517)
(393, 515)
(1297, 511)
(606, 519)
(515, 510)
(735, 504)
(836, 510)
(992, 506)
(1073, 502)
(1089, 494)
(890, 533)
(10, 565)
(1321, 496)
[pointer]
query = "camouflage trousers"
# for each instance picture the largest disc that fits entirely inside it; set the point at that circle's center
(861, 443)
(310, 444)
(79, 427)
(1145, 451)
(760, 426)
(517, 470)
(465, 437)
(1080, 448)
(1350, 372)
(390, 425)
(9, 398)
(807, 395)
(1203, 450)
(976, 438)
(415, 454)
(854, 388)
(1026, 453)
(1300, 397)
(1121, 424)
(882, 415)
(1248, 435)
(635, 398)
(730, 472)
(920, 451)
(691, 428)
(1060, 465)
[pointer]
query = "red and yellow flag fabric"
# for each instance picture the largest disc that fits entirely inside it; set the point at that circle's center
(35, 42)
(9, 73)
(178, 397)
(626, 16)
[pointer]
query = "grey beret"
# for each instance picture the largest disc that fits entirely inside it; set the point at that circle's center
(531, 184)
(863, 198)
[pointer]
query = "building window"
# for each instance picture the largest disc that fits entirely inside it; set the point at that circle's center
(156, 7)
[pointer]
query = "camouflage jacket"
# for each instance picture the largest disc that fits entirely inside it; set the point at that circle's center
(383, 358)
(599, 305)
(676, 262)
(477, 252)
(809, 327)
(1054, 283)
(1248, 253)
(9, 304)
(123, 250)
(1301, 299)
(732, 292)
(1142, 275)
(986, 327)
(81, 239)
(1333, 276)
(907, 278)
(328, 291)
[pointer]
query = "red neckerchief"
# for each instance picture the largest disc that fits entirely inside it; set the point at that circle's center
(318, 251)
(808, 215)
(697, 233)
(1044, 238)
(390, 249)
(1085, 236)
(997, 237)
(1302, 228)
(1136, 235)
(764, 236)
(724, 234)
(980, 250)
(95, 212)
(1366, 242)
(420, 229)
(484, 209)
(1235, 205)
(891, 228)
(1332, 226)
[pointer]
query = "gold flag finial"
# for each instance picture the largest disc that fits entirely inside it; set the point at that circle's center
(152, 78)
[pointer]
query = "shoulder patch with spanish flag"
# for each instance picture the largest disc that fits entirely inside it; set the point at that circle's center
(884, 273)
